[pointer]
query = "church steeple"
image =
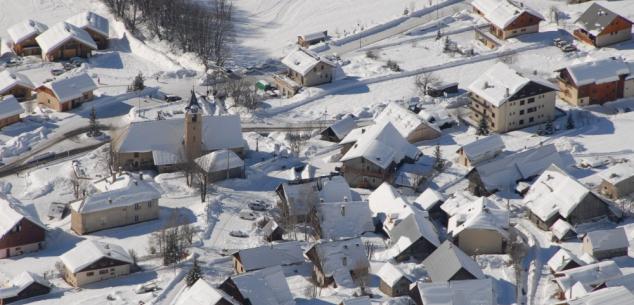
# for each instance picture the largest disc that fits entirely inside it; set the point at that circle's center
(193, 103)
(193, 128)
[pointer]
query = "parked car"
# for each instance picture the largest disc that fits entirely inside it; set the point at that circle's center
(57, 72)
(145, 288)
(258, 205)
(569, 48)
(248, 215)
(238, 233)
(68, 66)
(172, 98)
(13, 62)
(76, 61)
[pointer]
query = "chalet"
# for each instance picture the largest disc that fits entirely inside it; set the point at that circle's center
(388, 207)
(411, 126)
(430, 200)
(278, 254)
(602, 244)
(414, 237)
(128, 201)
(305, 69)
(336, 220)
(562, 261)
(376, 156)
(394, 282)
(25, 285)
(596, 82)
(508, 18)
(261, 287)
(203, 293)
(95, 25)
(617, 181)
(23, 37)
(164, 145)
(272, 231)
(555, 194)
(220, 165)
(609, 296)
(307, 40)
(92, 261)
(507, 100)
(10, 110)
(298, 198)
(66, 94)
(480, 229)
(464, 292)
(343, 262)
(338, 130)
(19, 233)
(65, 41)
(480, 150)
(504, 173)
(562, 231)
(15, 84)
(578, 282)
(600, 27)
(449, 263)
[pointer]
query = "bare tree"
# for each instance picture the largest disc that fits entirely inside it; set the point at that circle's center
(243, 93)
(423, 81)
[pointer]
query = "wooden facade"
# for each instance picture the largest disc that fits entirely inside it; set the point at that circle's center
(20, 92)
(400, 288)
(103, 269)
(25, 237)
(362, 173)
(46, 97)
(33, 290)
(9, 120)
(27, 47)
(71, 48)
(620, 29)
(590, 94)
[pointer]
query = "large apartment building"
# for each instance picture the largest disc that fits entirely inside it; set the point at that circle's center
(508, 100)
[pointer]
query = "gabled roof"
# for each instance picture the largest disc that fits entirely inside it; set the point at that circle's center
(345, 219)
(561, 228)
(303, 60)
(562, 258)
(136, 191)
(502, 13)
(483, 149)
(482, 215)
(342, 127)
(90, 21)
(411, 229)
(404, 120)
(264, 287)
(598, 71)
(71, 87)
(465, 292)
(577, 282)
(605, 240)
(391, 274)
(500, 83)
(8, 80)
(364, 300)
(60, 33)
(386, 202)
(219, 160)
(459, 201)
(430, 198)
(277, 254)
(340, 255)
(302, 197)
(11, 215)
(314, 36)
(5, 48)
(21, 282)
(88, 252)
(606, 296)
(447, 260)
(203, 293)
(596, 18)
(504, 172)
(26, 29)
(382, 145)
(617, 173)
(9, 106)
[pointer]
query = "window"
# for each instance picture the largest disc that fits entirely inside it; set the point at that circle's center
(136, 154)
(136, 218)
(492, 114)
(16, 229)
(137, 206)
(104, 271)
(90, 274)
(531, 100)
(521, 102)
(521, 112)
(344, 261)
(149, 204)
(521, 122)
(531, 120)
(532, 109)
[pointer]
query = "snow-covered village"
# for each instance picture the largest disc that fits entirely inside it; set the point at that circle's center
(316, 152)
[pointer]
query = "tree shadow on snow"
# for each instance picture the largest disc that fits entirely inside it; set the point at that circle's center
(107, 60)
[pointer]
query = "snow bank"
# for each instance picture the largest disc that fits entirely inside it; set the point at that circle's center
(23, 142)
(173, 185)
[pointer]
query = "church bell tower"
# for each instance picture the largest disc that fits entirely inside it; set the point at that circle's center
(193, 128)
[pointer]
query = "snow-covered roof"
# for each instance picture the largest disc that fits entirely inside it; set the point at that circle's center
(595, 19)
(265, 287)
(25, 30)
(562, 258)
(21, 282)
(301, 197)
(502, 13)
(137, 191)
(9, 106)
(382, 145)
(88, 252)
(561, 228)
(404, 120)
(387, 203)
(391, 274)
(447, 260)
(90, 21)
(203, 293)
(577, 282)
(605, 240)
(598, 71)
(459, 201)
(555, 192)
(334, 189)
(500, 83)
(11, 215)
(340, 255)
(342, 127)
(5, 48)
(408, 231)
(429, 198)
(617, 173)
(626, 281)
(481, 215)
(10, 79)
(606, 296)
(73, 87)
(60, 33)
(345, 219)
(465, 292)
(219, 160)
(502, 173)
(303, 60)
(276, 254)
(483, 149)
(314, 36)
(219, 132)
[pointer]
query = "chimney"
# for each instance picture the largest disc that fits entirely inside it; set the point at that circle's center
(321, 199)
(141, 176)
(343, 210)
(109, 200)
(345, 198)
(508, 92)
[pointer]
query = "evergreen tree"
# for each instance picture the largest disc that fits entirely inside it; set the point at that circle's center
(138, 82)
(194, 274)
(93, 130)
(483, 127)
(570, 123)
(439, 163)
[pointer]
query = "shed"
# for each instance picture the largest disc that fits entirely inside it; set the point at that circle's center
(10, 110)
(16, 84)
(602, 244)
(563, 260)
(440, 89)
(25, 285)
(277, 254)
(220, 165)
(449, 263)
(394, 282)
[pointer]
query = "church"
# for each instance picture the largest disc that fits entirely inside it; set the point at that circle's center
(163, 145)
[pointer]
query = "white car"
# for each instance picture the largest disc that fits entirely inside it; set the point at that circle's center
(258, 205)
(238, 233)
(248, 215)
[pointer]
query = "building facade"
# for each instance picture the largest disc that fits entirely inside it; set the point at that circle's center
(601, 27)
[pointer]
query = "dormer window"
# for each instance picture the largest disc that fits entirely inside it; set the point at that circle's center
(16, 229)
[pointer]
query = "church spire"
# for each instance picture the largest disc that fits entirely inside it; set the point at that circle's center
(193, 105)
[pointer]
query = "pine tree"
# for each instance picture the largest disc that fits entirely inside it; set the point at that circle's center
(93, 130)
(570, 123)
(137, 83)
(439, 163)
(194, 274)
(483, 128)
